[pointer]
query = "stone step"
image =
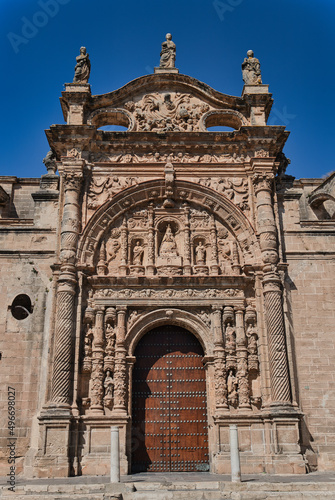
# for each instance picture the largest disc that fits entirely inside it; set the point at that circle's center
(176, 490)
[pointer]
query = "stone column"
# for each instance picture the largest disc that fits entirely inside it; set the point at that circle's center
(219, 361)
(120, 372)
(214, 268)
(97, 374)
(242, 361)
(72, 174)
(279, 374)
(187, 243)
(151, 243)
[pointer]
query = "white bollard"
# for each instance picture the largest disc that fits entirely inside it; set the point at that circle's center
(234, 454)
(115, 455)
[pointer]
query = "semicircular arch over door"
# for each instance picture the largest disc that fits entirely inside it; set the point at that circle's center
(169, 410)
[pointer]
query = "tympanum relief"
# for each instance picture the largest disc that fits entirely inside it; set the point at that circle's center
(168, 112)
(180, 240)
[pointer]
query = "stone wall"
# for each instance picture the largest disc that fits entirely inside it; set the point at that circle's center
(309, 243)
(26, 255)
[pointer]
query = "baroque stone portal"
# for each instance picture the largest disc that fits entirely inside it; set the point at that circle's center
(167, 228)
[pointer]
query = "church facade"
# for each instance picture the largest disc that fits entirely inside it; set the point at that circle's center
(171, 281)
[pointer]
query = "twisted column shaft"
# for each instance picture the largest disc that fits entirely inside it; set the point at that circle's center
(62, 377)
(279, 373)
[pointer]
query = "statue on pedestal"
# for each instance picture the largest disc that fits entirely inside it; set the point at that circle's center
(168, 53)
(200, 253)
(232, 384)
(138, 254)
(108, 385)
(251, 70)
(83, 67)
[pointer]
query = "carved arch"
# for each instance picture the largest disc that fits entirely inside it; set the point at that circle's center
(112, 116)
(223, 117)
(154, 191)
(177, 317)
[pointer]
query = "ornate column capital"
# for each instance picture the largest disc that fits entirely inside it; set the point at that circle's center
(263, 182)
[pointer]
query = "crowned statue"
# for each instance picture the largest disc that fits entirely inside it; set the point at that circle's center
(168, 246)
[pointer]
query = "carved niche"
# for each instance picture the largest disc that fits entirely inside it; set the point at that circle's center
(168, 242)
(240, 375)
(98, 361)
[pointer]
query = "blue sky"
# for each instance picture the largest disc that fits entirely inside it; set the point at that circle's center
(293, 39)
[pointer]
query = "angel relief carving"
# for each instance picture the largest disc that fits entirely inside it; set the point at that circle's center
(113, 245)
(167, 112)
(100, 190)
(235, 189)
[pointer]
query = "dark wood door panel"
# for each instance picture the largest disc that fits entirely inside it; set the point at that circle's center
(169, 403)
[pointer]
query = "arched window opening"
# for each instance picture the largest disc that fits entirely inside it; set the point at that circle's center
(113, 128)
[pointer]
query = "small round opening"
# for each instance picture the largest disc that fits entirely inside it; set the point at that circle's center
(21, 307)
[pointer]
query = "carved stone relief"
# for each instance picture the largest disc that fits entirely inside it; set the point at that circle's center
(99, 359)
(168, 293)
(167, 112)
(241, 356)
(235, 189)
(178, 157)
(100, 190)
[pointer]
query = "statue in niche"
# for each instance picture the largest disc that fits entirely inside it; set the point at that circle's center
(108, 385)
(230, 337)
(110, 339)
(251, 70)
(138, 254)
(168, 246)
(168, 53)
(200, 254)
(232, 388)
(83, 67)
(252, 339)
(88, 341)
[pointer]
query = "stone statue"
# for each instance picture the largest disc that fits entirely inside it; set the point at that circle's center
(230, 337)
(168, 53)
(232, 388)
(200, 253)
(168, 247)
(110, 339)
(88, 341)
(50, 162)
(252, 339)
(82, 68)
(108, 385)
(138, 254)
(251, 70)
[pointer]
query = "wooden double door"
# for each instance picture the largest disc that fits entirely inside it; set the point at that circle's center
(169, 410)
